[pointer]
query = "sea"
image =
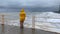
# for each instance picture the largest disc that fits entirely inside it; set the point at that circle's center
(48, 21)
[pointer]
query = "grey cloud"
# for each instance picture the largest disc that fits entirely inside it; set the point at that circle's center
(40, 3)
(30, 3)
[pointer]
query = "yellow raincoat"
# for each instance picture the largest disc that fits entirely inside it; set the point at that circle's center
(22, 15)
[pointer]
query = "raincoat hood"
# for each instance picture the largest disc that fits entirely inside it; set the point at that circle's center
(22, 10)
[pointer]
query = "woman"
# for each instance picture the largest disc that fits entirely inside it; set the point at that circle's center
(22, 17)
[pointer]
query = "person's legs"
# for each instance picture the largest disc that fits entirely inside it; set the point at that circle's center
(21, 24)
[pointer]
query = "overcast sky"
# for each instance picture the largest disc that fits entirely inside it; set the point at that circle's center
(32, 3)
(29, 3)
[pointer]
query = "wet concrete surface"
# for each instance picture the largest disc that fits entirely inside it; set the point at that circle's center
(17, 30)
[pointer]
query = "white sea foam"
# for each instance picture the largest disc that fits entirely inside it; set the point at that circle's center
(48, 21)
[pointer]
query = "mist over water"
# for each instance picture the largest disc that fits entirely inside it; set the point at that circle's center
(49, 19)
(43, 10)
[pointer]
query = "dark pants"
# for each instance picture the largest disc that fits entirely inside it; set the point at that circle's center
(21, 24)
